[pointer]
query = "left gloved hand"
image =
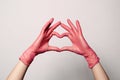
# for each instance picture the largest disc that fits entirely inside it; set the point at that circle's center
(41, 45)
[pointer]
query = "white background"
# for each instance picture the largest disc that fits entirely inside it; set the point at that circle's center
(21, 22)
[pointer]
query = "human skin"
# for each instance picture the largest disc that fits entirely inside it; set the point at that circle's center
(81, 47)
(40, 45)
(79, 44)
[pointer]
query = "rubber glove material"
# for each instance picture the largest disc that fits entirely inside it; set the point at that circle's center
(40, 45)
(80, 46)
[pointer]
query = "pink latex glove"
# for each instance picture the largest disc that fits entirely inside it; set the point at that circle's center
(80, 46)
(41, 45)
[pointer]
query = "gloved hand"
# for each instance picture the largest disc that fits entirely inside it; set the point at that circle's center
(40, 45)
(80, 46)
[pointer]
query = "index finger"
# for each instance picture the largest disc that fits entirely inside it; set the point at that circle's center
(46, 26)
(53, 27)
(71, 24)
(65, 27)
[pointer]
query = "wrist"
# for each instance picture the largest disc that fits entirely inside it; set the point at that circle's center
(91, 57)
(27, 57)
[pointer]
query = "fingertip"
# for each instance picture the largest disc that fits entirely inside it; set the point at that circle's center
(59, 22)
(56, 25)
(51, 20)
(62, 24)
(53, 48)
(64, 49)
(58, 50)
(77, 23)
(77, 20)
(67, 48)
(56, 34)
(68, 19)
(66, 34)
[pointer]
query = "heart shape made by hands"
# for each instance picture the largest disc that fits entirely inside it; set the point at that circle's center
(60, 41)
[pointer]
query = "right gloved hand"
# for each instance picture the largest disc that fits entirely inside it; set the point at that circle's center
(80, 46)
(40, 45)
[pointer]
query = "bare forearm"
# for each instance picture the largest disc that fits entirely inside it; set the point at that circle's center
(39, 46)
(99, 73)
(18, 72)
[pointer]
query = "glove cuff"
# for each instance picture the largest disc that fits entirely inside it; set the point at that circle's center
(27, 58)
(91, 58)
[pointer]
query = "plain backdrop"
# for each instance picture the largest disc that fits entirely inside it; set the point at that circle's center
(21, 22)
